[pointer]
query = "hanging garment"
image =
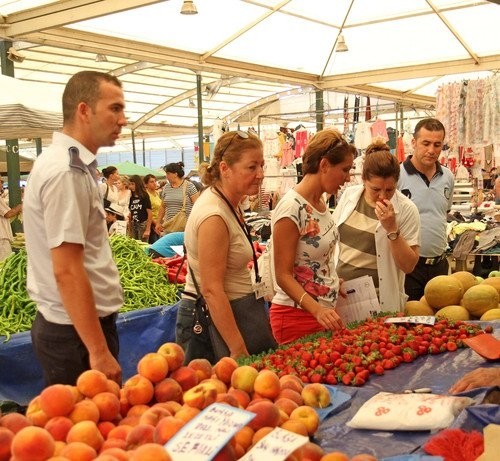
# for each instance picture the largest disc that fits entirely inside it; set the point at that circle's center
(378, 129)
(368, 110)
(400, 150)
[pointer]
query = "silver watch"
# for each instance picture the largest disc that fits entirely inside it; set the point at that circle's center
(393, 235)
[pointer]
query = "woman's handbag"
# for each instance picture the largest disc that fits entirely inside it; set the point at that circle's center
(177, 223)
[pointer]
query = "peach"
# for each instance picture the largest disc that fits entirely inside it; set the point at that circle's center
(227, 399)
(92, 382)
(200, 396)
(309, 451)
(166, 429)
(153, 416)
(244, 437)
(119, 453)
(219, 385)
(285, 404)
(292, 395)
(168, 389)
(105, 427)
(77, 395)
(335, 456)
(261, 433)
(113, 387)
(112, 442)
(267, 414)
(6, 437)
(57, 400)
(32, 443)
(85, 410)
(150, 452)
(267, 384)
(226, 453)
(86, 432)
(153, 366)
(171, 406)
(202, 367)
(361, 457)
(138, 390)
(119, 432)
(224, 369)
(308, 416)
(187, 413)
(105, 457)
(129, 421)
(291, 382)
(59, 445)
(139, 435)
(124, 403)
(316, 395)
(243, 378)
(295, 425)
(239, 451)
(78, 451)
(283, 417)
(186, 377)
(108, 405)
(14, 422)
(58, 427)
(35, 414)
(138, 410)
(173, 353)
(241, 396)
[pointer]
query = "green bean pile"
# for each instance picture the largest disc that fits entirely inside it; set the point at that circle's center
(17, 310)
(145, 283)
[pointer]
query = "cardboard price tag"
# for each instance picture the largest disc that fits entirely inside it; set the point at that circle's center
(425, 319)
(275, 446)
(204, 436)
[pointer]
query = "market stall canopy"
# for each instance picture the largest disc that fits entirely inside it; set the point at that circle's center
(249, 54)
(25, 164)
(129, 169)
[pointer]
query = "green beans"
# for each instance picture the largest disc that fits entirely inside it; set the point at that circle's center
(145, 284)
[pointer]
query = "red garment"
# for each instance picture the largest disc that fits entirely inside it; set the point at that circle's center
(400, 150)
(290, 323)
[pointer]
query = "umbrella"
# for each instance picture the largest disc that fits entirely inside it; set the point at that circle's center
(130, 168)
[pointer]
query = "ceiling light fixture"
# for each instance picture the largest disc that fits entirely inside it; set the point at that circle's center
(188, 7)
(341, 46)
(14, 55)
(101, 58)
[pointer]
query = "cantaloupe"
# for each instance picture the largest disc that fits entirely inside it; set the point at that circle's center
(492, 314)
(443, 290)
(454, 313)
(492, 281)
(418, 308)
(424, 301)
(467, 278)
(480, 299)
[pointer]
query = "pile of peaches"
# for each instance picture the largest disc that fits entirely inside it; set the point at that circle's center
(98, 420)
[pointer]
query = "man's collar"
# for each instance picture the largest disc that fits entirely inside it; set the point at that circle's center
(410, 167)
(63, 139)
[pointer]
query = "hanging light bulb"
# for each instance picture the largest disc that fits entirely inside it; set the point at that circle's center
(341, 46)
(188, 7)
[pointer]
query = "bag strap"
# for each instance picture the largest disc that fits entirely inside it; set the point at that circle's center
(195, 282)
(184, 187)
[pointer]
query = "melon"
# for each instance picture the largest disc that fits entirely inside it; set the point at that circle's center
(443, 290)
(480, 299)
(453, 313)
(492, 314)
(492, 281)
(467, 278)
(418, 308)
(424, 301)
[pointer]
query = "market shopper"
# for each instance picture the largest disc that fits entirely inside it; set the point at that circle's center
(65, 228)
(108, 188)
(152, 190)
(480, 377)
(6, 213)
(304, 236)
(219, 250)
(379, 228)
(429, 185)
(141, 215)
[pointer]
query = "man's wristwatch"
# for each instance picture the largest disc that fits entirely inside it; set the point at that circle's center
(393, 235)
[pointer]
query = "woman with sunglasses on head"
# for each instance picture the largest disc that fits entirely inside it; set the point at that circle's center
(219, 249)
(379, 228)
(304, 237)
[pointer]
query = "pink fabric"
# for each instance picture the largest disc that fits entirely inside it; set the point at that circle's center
(290, 323)
(301, 138)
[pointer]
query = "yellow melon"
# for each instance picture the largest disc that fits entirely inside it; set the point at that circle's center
(418, 308)
(454, 313)
(467, 278)
(424, 301)
(492, 281)
(492, 314)
(480, 299)
(443, 290)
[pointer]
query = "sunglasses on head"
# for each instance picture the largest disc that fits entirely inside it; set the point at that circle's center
(241, 134)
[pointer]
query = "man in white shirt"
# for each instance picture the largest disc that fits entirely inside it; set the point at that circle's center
(71, 273)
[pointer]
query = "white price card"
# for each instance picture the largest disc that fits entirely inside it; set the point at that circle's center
(204, 436)
(426, 319)
(361, 302)
(275, 446)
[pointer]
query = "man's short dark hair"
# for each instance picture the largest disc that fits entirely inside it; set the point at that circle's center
(430, 124)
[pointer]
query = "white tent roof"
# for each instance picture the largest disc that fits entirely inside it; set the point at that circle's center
(251, 53)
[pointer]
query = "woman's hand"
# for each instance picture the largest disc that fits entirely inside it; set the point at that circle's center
(329, 319)
(385, 214)
(158, 229)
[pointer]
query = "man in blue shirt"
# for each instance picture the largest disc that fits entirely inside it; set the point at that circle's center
(430, 186)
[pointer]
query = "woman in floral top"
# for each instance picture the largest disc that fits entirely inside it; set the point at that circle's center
(304, 236)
